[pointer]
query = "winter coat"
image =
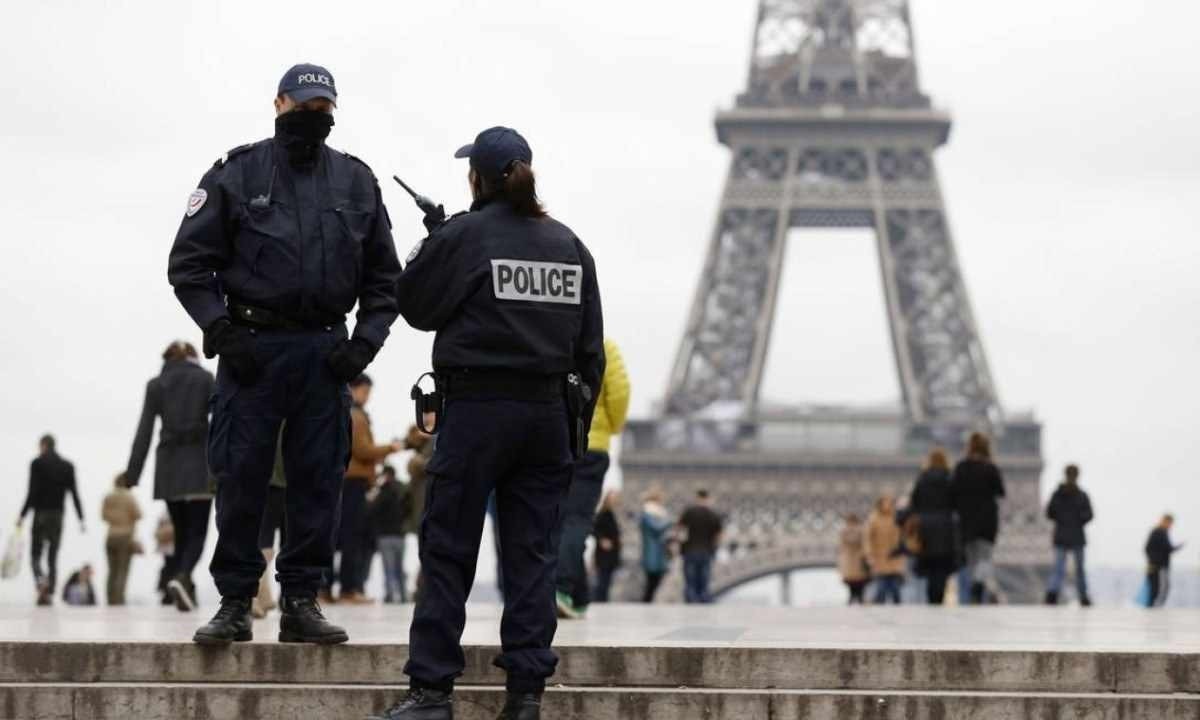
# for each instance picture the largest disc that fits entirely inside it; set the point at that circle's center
(388, 512)
(606, 528)
(654, 525)
(933, 505)
(1071, 510)
(612, 404)
(975, 486)
(365, 455)
(1159, 548)
(179, 396)
(880, 542)
(852, 561)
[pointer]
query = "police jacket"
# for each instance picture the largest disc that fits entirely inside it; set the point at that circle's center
(180, 397)
(305, 243)
(505, 291)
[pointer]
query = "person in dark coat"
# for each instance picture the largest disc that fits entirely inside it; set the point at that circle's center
(607, 554)
(51, 477)
(1070, 510)
(931, 507)
(179, 397)
(388, 515)
(976, 486)
(1159, 550)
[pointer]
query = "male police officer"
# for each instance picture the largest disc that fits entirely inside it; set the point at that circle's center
(512, 295)
(280, 240)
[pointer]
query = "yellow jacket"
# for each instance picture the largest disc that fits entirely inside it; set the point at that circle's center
(613, 403)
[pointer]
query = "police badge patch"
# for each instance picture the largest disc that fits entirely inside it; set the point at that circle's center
(196, 201)
(415, 252)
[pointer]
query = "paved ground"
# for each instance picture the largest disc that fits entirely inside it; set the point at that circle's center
(904, 627)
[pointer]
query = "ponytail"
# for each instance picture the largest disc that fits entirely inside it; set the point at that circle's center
(520, 190)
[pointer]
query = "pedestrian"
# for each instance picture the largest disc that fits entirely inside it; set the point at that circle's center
(975, 485)
(178, 396)
(519, 350)
(78, 590)
(121, 512)
(422, 445)
(852, 559)
(1159, 550)
(931, 510)
(388, 516)
(606, 556)
(365, 457)
(655, 525)
(579, 513)
(1070, 510)
(50, 479)
(881, 541)
(280, 241)
(273, 526)
(164, 544)
(701, 528)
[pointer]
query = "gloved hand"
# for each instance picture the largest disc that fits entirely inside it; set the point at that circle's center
(235, 345)
(434, 217)
(350, 357)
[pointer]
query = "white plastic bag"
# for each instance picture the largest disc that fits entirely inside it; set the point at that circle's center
(10, 565)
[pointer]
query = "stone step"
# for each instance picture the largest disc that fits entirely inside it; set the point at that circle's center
(220, 701)
(697, 665)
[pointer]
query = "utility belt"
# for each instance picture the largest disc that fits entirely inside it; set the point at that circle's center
(508, 385)
(259, 317)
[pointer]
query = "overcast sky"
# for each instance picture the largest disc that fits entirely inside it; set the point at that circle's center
(1072, 179)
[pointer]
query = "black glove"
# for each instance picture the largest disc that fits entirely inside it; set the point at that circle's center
(434, 217)
(350, 357)
(235, 345)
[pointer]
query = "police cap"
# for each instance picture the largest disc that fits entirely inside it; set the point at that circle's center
(494, 150)
(305, 81)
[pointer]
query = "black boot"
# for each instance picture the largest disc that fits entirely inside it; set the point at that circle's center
(521, 706)
(421, 704)
(1051, 597)
(301, 621)
(230, 624)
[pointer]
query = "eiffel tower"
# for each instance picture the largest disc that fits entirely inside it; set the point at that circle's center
(833, 130)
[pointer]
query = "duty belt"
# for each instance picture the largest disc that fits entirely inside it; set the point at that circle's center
(263, 318)
(501, 383)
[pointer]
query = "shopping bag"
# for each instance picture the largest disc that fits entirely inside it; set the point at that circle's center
(1143, 596)
(10, 564)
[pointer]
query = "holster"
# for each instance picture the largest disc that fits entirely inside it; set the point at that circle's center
(579, 396)
(434, 402)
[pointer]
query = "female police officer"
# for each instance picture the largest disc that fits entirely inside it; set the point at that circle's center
(512, 296)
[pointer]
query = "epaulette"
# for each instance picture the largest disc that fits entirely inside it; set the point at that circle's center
(359, 161)
(236, 151)
(458, 214)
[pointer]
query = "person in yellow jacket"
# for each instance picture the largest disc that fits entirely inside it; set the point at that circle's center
(579, 510)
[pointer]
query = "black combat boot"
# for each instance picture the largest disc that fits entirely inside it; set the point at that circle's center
(301, 621)
(230, 624)
(421, 704)
(521, 706)
(1051, 597)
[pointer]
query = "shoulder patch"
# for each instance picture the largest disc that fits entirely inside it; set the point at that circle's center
(196, 201)
(236, 151)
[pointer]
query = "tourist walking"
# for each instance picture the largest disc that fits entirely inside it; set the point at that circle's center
(388, 516)
(931, 508)
(1159, 550)
(701, 527)
(50, 479)
(579, 511)
(655, 525)
(881, 541)
(1070, 510)
(365, 456)
(178, 397)
(852, 558)
(606, 555)
(976, 485)
(120, 510)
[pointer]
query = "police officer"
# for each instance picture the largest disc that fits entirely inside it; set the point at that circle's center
(512, 296)
(279, 242)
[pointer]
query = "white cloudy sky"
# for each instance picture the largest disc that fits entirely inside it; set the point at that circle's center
(1072, 181)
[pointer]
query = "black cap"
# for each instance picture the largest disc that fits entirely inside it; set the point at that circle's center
(494, 150)
(305, 81)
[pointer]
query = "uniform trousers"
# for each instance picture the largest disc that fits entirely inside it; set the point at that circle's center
(520, 449)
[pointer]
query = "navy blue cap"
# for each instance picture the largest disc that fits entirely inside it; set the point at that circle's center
(495, 149)
(305, 81)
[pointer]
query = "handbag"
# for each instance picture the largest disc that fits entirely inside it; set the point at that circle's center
(1143, 595)
(10, 565)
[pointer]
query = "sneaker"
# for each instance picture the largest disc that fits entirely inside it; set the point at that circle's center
(230, 624)
(180, 589)
(420, 704)
(565, 606)
(301, 621)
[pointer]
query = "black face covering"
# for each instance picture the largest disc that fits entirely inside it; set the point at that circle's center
(302, 132)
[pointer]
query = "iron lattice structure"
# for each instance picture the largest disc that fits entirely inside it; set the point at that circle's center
(832, 130)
